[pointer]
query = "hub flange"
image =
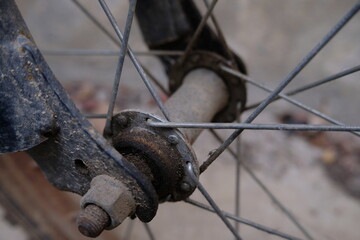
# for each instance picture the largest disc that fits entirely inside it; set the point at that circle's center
(161, 154)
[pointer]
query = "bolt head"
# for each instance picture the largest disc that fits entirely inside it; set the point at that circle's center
(122, 120)
(173, 139)
(185, 186)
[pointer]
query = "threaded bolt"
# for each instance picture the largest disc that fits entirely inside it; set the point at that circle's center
(92, 221)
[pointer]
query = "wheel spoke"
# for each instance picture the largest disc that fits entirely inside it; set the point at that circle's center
(242, 220)
(282, 85)
(237, 174)
(253, 126)
(288, 99)
(136, 63)
(120, 65)
(219, 32)
(91, 52)
(129, 229)
(157, 82)
(149, 231)
(262, 185)
(198, 31)
(94, 115)
(312, 85)
(96, 22)
(211, 201)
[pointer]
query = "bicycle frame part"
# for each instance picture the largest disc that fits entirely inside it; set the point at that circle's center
(163, 154)
(172, 25)
(39, 117)
(76, 158)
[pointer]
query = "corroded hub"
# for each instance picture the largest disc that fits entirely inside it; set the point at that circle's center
(161, 154)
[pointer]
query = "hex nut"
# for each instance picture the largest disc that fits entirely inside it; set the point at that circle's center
(112, 196)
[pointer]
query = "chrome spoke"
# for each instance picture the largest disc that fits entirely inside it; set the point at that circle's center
(219, 32)
(129, 229)
(288, 99)
(242, 220)
(120, 65)
(94, 115)
(282, 85)
(211, 201)
(149, 231)
(237, 174)
(312, 85)
(242, 126)
(157, 82)
(96, 22)
(136, 63)
(131, 54)
(260, 183)
(278, 89)
(92, 52)
(198, 31)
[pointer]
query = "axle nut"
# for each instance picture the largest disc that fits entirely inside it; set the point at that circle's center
(112, 196)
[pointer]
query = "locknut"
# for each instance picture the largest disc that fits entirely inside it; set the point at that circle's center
(112, 196)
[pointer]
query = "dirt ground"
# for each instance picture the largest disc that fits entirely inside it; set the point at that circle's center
(308, 173)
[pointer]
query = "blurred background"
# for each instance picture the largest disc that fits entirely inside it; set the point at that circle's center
(315, 175)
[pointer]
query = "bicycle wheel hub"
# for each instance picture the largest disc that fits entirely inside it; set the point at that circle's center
(161, 154)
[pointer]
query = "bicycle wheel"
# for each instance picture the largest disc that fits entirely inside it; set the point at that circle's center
(271, 169)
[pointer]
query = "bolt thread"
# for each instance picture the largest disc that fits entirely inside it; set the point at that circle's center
(92, 221)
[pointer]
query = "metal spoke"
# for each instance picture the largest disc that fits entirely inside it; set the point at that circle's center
(282, 85)
(120, 65)
(219, 32)
(96, 22)
(237, 173)
(129, 229)
(198, 31)
(253, 126)
(288, 99)
(260, 184)
(136, 63)
(157, 82)
(94, 115)
(131, 54)
(313, 85)
(211, 201)
(278, 89)
(92, 52)
(149, 231)
(242, 220)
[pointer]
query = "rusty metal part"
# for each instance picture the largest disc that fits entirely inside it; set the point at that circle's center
(34, 205)
(64, 144)
(200, 97)
(161, 154)
(113, 197)
(202, 59)
(170, 24)
(92, 220)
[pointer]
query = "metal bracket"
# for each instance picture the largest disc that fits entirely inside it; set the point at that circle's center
(64, 144)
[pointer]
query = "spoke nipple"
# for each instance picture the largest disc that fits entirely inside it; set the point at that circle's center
(122, 120)
(185, 186)
(173, 139)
